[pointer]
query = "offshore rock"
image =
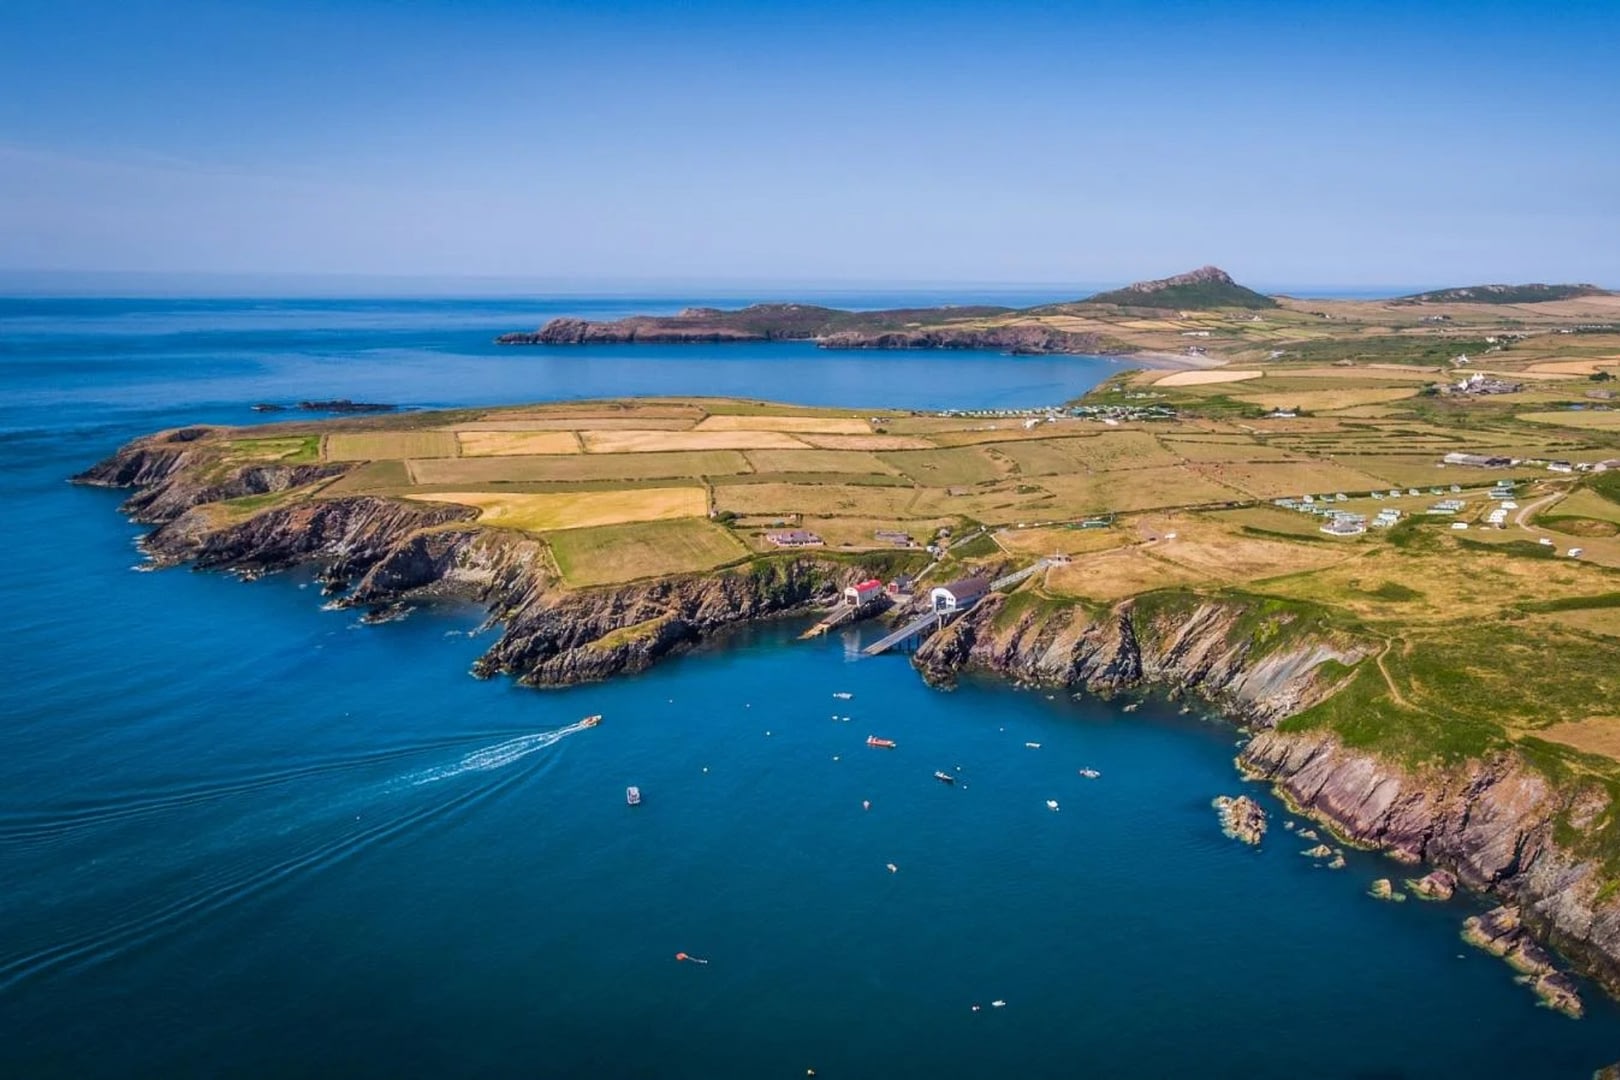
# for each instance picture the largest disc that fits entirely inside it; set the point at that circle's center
(1241, 818)
(1438, 885)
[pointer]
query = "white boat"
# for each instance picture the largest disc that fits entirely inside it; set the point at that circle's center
(1051, 804)
(1033, 745)
(842, 695)
(632, 795)
(1090, 774)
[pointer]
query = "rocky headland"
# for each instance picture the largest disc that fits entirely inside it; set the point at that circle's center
(830, 328)
(1497, 824)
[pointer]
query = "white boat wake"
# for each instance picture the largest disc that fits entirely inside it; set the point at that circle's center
(501, 754)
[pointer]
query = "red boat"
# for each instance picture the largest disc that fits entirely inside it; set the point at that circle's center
(873, 740)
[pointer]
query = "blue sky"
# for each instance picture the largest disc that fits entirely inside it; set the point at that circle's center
(1417, 143)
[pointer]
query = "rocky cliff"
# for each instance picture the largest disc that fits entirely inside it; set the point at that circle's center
(377, 553)
(830, 328)
(1500, 826)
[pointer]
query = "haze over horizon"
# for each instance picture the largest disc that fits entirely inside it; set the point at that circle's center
(721, 144)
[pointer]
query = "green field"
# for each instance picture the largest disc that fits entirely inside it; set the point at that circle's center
(615, 553)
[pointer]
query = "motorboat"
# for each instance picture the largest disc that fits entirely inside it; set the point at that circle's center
(886, 744)
(632, 795)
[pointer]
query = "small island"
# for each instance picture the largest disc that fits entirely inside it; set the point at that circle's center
(1403, 585)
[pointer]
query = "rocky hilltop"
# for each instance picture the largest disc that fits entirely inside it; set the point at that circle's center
(1204, 288)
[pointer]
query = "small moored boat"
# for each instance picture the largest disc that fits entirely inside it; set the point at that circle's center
(632, 795)
(944, 777)
(886, 744)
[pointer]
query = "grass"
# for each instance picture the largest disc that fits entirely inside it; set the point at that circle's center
(615, 553)
(962, 465)
(387, 445)
(1577, 418)
(574, 510)
(289, 450)
(815, 461)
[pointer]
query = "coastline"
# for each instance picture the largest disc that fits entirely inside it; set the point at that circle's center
(1493, 825)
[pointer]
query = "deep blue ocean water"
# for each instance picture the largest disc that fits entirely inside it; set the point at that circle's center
(242, 836)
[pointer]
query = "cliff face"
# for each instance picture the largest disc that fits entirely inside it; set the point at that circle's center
(1205, 647)
(1499, 825)
(1024, 338)
(1493, 823)
(378, 553)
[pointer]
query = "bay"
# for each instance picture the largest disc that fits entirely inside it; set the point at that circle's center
(240, 835)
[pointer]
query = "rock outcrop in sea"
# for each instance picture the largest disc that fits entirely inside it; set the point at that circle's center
(1241, 818)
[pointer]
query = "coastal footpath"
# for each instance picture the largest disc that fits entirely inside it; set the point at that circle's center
(1501, 822)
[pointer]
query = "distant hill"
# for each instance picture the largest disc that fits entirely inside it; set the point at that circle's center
(1506, 294)
(1206, 287)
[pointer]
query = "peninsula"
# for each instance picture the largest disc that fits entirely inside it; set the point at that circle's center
(1383, 537)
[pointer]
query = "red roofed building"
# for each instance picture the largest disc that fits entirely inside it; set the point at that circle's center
(863, 593)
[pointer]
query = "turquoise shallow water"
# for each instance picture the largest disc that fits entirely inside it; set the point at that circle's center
(243, 836)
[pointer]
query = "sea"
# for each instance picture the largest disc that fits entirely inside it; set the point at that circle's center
(244, 836)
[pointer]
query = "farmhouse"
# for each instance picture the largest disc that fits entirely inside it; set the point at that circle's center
(890, 536)
(792, 538)
(958, 594)
(1477, 461)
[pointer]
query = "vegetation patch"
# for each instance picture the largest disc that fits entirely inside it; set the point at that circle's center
(618, 553)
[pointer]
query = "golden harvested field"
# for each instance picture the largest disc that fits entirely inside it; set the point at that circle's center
(577, 468)
(1108, 576)
(1576, 367)
(382, 445)
(575, 510)
(581, 423)
(1133, 489)
(648, 442)
(817, 500)
(1092, 453)
(946, 468)
(1205, 450)
(615, 553)
(1593, 735)
(1326, 400)
(1217, 554)
(1577, 418)
(1272, 481)
(506, 443)
(1038, 542)
(1207, 378)
(818, 425)
(867, 442)
(603, 410)
(1382, 372)
(816, 461)
(1411, 470)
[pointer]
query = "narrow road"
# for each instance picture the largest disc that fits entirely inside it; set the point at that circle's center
(1529, 510)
